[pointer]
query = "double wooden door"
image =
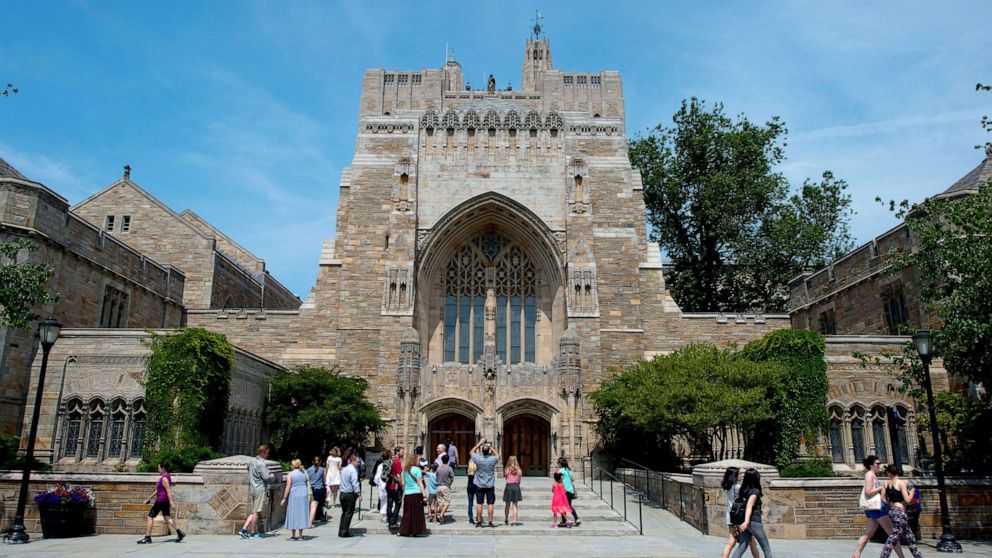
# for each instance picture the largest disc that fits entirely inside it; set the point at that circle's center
(528, 438)
(457, 428)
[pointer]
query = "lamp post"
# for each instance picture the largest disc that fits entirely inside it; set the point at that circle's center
(924, 345)
(48, 331)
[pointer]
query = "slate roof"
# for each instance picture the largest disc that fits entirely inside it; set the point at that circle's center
(8, 171)
(969, 183)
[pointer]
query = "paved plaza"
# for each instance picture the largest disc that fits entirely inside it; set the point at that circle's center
(600, 535)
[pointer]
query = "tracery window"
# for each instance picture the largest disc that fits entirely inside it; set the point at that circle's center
(878, 427)
(138, 421)
(73, 425)
(95, 429)
(858, 434)
(836, 436)
(490, 268)
(118, 416)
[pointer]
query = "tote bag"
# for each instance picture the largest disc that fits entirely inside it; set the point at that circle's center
(870, 504)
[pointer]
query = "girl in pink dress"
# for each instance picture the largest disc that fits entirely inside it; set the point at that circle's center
(559, 504)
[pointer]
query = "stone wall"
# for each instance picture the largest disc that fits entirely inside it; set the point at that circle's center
(213, 500)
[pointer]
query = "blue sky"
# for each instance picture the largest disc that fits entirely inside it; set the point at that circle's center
(246, 112)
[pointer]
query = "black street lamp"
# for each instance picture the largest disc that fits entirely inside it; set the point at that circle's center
(48, 330)
(924, 345)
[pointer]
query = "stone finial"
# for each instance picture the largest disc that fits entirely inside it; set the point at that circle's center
(127, 172)
(988, 150)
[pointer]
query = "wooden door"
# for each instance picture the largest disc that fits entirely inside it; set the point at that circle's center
(527, 437)
(458, 428)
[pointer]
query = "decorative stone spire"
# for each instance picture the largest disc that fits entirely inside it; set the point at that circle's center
(569, 362)
(408, 379)
(537, 58)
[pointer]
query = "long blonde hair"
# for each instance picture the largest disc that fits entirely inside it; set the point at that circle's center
(512, 467)
(472, 467)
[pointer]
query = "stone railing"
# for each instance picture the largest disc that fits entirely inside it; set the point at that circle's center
(211, 500)
(808, 508)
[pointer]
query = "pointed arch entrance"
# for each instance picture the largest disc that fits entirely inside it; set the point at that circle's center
(453, 419)
(528, 433)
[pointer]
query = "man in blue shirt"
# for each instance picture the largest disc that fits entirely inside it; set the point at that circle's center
(485, 479)
(350, 494)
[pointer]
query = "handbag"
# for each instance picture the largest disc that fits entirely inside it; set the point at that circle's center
(738, 510)
(870, 504)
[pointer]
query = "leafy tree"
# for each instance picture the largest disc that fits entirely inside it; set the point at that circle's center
(187, 387)
(697, 393)
(312, 409)
(799, 403)
(963, 424)
(725, 217)
(22, 284)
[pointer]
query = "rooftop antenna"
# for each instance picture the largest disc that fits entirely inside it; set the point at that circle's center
(537, 24)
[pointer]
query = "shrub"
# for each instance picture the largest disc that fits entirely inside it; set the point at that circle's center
(815, 468)
(9, 459)
(183, 460)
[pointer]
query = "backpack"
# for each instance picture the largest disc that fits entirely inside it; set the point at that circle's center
(387, 472)
(738, 510)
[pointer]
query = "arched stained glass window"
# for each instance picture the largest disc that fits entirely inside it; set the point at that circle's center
(490, 279)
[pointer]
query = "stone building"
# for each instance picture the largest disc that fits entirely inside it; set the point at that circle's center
(93, 412)
(859, 294)
(220, 273)
(102, 282)
(490, 264)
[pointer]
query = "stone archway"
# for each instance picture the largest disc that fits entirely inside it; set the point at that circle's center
(450, 417)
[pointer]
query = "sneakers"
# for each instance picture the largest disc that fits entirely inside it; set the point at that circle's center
(146, 540)
(180, 535)
(577, 523)
(257, 536)
(244, 533)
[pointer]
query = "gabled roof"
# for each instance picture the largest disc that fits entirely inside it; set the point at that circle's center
(971, 182)
(150, 198)
(8, 171)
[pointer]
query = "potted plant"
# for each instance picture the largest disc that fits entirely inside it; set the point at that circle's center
(61, 508)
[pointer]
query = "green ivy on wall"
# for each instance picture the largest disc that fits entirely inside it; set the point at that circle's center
(799, 403)
(187, 386)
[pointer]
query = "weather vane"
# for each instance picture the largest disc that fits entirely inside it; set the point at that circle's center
(537, 24)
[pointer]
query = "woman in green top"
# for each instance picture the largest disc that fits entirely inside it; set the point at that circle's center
(414, 496)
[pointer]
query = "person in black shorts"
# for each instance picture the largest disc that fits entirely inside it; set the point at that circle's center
(163, 504)
(485, 459)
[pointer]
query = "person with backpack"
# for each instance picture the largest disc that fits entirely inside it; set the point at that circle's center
(730, 483)
(746, 513)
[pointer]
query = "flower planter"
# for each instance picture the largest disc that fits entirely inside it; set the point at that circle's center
(59, 521)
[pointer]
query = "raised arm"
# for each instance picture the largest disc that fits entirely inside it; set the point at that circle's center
(476, 447)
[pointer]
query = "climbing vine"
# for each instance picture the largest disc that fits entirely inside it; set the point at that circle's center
(799, 402)
(187, 386)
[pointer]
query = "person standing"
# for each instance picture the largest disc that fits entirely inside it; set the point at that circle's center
(381, 476)
(470, 490)
(566, 480)
(511, 492)
(485, 459)
(560, 507)
(445, 478)
(333, 475)
(296, 499)
(431, 475)
(439, 451)
(730, 484)
(351, 494)
(896, 495)
(316, 475)
(879, 517)
(752, 526)
(394, 488)
(163, 504)
(414, 494)
(258, 477)
(452, 454)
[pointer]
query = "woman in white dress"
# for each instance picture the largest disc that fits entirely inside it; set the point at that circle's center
(333, 477)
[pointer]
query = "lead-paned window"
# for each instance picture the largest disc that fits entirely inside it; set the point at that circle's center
(95, 430)
(138, 421)
(878, 432)
(894, 308)
(73, 426)
(858, 439)
(113, 313)
(836, 441)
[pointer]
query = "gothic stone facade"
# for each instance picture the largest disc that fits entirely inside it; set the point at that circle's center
(490, 265)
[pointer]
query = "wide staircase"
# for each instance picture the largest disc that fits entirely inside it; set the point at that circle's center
(598, 518)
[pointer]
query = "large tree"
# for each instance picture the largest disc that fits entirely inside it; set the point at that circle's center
(696, 394)
(725, 216)
(311, 409)
(22, 284)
